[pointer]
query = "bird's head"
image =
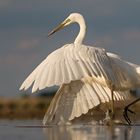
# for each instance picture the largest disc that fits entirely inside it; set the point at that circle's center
(70, 19)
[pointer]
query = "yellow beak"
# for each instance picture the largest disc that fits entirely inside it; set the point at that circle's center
(60, 26)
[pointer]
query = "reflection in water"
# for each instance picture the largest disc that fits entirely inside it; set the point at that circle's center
(88, 132)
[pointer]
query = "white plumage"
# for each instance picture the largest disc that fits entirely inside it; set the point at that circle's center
(67, 64)
(72, 66)
(73, 62)
(77, 98)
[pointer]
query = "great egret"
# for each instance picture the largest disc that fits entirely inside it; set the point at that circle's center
(76, 61)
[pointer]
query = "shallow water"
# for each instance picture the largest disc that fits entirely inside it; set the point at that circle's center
(33, 130)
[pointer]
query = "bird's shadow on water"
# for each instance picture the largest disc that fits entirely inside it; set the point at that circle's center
(89, 132)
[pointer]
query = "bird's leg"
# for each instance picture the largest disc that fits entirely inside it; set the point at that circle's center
(112, 104)
(110, 112)
(126, 110)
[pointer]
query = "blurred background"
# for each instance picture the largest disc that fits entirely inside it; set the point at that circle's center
(24, 25)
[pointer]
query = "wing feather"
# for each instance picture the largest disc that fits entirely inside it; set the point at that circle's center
(37, 80)
(93, 94)
(125, 72)
(69, 69)
(69, 63)
(45, 73)
(88, 96)
(77, 98)
(73, 62)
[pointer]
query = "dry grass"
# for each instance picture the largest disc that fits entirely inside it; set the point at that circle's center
(24, 108)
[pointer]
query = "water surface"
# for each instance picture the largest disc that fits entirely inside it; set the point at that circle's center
(33, 130)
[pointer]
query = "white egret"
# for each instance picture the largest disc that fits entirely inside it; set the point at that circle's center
(75, 63)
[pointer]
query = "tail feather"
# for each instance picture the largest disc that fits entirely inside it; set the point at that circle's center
(77, 98)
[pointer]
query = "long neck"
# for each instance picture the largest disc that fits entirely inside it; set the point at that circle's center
(82, 32)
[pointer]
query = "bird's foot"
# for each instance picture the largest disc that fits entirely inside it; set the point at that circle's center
(125, 114)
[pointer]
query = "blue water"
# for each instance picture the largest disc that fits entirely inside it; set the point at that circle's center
(33, 130)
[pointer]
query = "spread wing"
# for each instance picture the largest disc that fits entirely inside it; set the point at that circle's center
(70, 63)
(126, 73)
(77, 98)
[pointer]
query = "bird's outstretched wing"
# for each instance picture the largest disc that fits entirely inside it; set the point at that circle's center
(70, 63)
(127, 74)
(77, 98)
